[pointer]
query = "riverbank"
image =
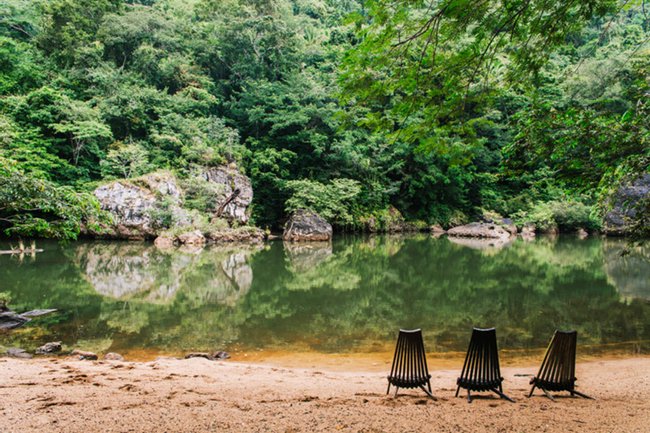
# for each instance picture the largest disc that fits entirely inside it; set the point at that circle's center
(197, 395)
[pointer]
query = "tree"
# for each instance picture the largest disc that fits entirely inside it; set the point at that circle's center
(34, 207)
(424, 69)
(125, 160)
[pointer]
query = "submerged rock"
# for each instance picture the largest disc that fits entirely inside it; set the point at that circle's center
(112, 356)
(221, 355)
(49, 348)
(528, 231)
(508, 225)
(164, 242)
(195, 237)
(304, 225)
(437, 229)
(624, 204)
(480, 230)
(16, 352)
(83, 355)
(216, 356)
(199, 355)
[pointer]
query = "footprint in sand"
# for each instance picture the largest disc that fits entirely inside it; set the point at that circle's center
(128, 387)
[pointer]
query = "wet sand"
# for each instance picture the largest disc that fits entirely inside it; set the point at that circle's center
(197, 395)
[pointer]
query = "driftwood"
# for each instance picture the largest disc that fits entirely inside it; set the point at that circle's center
(10, 319)
(228, 200)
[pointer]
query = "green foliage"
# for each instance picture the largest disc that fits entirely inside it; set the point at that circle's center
(440, 111)
(565, 215)
(202, 224)
(162, 214)
(201, 194)
(336, 201)
(36, 207)
(125, 160)
(5, 299)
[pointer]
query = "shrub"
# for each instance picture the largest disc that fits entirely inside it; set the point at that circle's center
(125, 160)
(336, 201)
(36, 207)
(5, 299)
(566, 215)
(201, 194)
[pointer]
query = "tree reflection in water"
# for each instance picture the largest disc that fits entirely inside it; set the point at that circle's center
(348, 296)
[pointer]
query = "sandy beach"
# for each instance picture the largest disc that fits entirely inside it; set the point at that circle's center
(197, 395)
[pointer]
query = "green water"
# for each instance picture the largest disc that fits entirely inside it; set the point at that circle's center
(350, 296)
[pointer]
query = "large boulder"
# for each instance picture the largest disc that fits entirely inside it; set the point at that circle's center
(235, 195)
(480, 230)
(304, 225)
(135, 204)
(624, 204)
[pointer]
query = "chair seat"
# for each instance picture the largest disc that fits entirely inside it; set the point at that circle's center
(479, 385)
(553, 386)
(411, 382)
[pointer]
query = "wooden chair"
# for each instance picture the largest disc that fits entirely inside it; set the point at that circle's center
(557, 372)
(481, 370)
(409, 368)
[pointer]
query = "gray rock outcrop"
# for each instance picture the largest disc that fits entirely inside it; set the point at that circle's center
(135, 203)
(480, 230)
(235, 196)
(624, 203)
(304, 225)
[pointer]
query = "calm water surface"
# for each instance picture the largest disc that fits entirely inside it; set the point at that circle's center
(348, 297)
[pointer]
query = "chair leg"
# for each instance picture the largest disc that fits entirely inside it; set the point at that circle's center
(531, 391)
(502, 395)
(388, 390)
(396, 389)
(469, 397)
(457, 389)
(581, 394)
(548, 394)
(428, 393)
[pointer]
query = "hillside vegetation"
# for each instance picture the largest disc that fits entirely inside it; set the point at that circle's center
(444, 110)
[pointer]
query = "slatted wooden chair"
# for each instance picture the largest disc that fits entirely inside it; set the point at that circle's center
(481, 370)
(557, 372)
(409, 368)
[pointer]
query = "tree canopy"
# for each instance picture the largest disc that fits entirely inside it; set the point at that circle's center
(441, 109)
